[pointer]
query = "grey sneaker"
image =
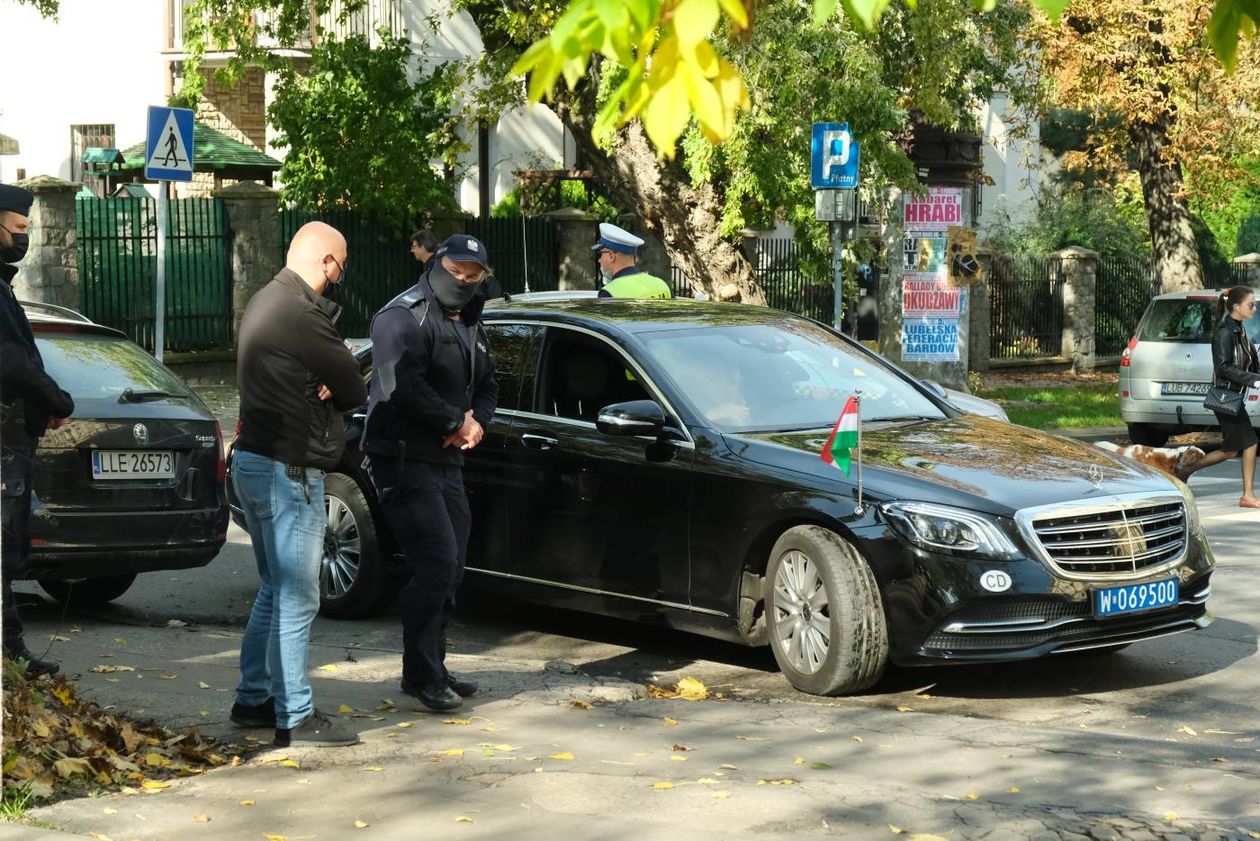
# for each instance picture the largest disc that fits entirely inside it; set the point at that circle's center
(317, 731)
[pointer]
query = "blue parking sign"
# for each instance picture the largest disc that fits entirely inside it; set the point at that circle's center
(833, 157)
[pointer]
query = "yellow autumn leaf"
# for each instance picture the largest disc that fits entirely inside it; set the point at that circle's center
(896, 830)
(463, 819)
(64, 694)
(271, 837)
(676, 758)
(800, 760)
(1171, 817)
(1189, 731)
(168, 677)
(457, 721)
(451, 752)
(107, 810)
(970, 796)
(345, 709)
(565, 755)
(690, 689)
(663, 785)
(580, 705)
(406, 723)
(120, 640)
(904, 709)
(784, 782)
(155, 785)
(502, 748)
(923, 836)
(374, 768)
(290, 763)
(202, 818)
(247, 803)
(361, 824)
(720, 795)
(671, 722)
(68, 767)
(1013, 790)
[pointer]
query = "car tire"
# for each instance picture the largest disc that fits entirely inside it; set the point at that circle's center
(352, 579)
(824, 614)
(87, 592)
(1147, 435)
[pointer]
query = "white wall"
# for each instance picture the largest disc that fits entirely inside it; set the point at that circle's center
(1012, 163)
(100, 63)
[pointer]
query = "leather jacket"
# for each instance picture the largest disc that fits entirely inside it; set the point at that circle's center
(1233, 356)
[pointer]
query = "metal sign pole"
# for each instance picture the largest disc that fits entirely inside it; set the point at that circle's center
(837, 269)
(159, 311)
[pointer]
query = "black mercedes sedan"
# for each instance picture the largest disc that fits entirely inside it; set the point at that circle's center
(660, 461)
(135, 482)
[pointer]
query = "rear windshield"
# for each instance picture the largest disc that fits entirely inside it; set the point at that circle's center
(100, 367)
(1186, 320)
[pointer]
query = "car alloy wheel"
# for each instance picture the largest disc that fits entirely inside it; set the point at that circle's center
(342, 549)
(802, 612)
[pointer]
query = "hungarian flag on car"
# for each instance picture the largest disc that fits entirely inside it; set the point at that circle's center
(844, 437)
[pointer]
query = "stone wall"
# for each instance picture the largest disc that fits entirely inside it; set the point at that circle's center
(254, 221)
(50, 271)
(239, 111)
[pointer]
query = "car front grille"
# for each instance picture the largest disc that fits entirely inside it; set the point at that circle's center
(1121, 538)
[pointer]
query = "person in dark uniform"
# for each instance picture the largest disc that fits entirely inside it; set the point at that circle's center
(618, 249)
(1235, 367)
(31, 402)
(433, 393)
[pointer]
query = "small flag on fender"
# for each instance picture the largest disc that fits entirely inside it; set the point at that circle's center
(844, 437)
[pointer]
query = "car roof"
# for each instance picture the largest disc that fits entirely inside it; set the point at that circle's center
(1201, 294)
(637, 315)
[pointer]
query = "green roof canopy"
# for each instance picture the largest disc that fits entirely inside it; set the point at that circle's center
(101, 157)
(214, 151)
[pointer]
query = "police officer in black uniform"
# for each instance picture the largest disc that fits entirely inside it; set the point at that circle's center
(432, 396)
(30, 403)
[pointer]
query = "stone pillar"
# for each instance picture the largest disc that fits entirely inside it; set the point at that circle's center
(1080, 273)
(50, 272)
(253, 218)
(576, 232)
(980, 316)
(1250, 268)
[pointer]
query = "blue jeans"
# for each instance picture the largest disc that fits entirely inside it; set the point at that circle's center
(286, 520)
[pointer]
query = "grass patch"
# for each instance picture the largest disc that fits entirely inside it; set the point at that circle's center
(1068, 406)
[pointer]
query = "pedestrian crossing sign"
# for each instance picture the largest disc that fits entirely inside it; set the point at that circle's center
(169, 148)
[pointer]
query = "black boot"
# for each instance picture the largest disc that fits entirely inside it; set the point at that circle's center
(35, 667)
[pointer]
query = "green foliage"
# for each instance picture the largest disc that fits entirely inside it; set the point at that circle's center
(535, 197)
(47, 8)
(1111, 222)
(360, 135)
(1230, 208)
(1073, 406)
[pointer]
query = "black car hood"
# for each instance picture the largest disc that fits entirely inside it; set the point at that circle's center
(968, 461)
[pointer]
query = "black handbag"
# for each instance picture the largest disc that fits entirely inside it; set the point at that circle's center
(1224, 400)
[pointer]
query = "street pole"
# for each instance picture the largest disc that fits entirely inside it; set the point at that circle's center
(837, 269)
(160, 305)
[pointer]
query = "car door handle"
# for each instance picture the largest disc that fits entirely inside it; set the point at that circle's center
(538, 442)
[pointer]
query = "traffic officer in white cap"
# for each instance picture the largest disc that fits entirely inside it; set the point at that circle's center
(622, 279)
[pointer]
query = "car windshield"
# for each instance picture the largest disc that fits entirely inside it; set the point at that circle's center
(102, 367)
(777, 377)
(1185, 320)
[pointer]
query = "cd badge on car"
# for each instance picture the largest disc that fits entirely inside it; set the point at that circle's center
(141, 433)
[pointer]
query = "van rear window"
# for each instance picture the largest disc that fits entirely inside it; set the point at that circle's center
(1185, 320)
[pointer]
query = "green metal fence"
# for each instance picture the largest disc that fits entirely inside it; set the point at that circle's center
(380, 265)
(776, 266)
(1026, 307)
(117, 249)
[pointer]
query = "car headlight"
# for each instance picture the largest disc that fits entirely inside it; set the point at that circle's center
(939, 528)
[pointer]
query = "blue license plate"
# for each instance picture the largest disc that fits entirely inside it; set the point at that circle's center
(1132, 598)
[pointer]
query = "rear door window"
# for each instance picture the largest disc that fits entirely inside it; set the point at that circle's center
(1185, 320)
(510, 347)
(102, 367)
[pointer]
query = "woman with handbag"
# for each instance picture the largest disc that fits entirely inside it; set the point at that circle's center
(1234, 367)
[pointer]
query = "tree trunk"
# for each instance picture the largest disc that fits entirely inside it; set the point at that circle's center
(686, 217)
(1176, 256)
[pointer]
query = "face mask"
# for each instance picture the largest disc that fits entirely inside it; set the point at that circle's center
(452, 293)
(332, 291)
(15, 252)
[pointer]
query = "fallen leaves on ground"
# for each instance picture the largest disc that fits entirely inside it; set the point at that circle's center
(580, 705)
(57, 741)
(688, 689)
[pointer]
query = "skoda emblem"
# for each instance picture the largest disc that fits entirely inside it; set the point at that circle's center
(1095, 475)
(141, 433)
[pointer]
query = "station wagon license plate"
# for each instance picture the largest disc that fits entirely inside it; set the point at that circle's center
(133, 464)
(1196, 389)
(1132, 598)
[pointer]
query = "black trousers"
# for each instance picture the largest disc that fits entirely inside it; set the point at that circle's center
(17, 470)
(427, 509)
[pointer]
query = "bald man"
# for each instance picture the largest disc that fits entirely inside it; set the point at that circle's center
(296, 377)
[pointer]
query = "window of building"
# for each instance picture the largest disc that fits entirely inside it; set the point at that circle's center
(81, 138)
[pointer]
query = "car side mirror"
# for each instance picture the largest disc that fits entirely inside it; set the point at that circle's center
(936, 388)
(632, 418)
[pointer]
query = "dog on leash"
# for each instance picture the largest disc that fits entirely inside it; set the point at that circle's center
(1171, 460)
